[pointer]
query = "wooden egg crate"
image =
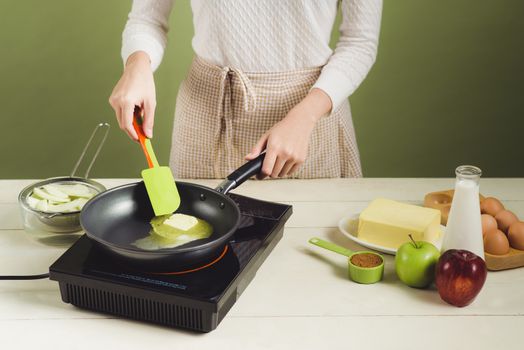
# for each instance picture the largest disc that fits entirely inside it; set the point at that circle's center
(515, 258)
(441, 200)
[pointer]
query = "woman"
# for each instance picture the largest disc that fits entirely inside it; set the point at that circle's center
(263, 77)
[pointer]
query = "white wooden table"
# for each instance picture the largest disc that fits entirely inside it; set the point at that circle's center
(300, 297)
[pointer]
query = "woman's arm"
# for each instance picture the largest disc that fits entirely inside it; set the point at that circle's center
(355, 51)
(146, 30)
(143, 43)
(287, 142)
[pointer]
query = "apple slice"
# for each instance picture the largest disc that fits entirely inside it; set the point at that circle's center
(55, 191)
(32, 201)
(77, 190)
(80, 202)
(42, 205)
(40, 193)
(65, 207)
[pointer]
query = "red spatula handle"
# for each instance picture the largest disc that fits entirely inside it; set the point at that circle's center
(137, 124)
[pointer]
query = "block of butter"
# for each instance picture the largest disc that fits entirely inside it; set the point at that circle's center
(181, 221)
(388, 223)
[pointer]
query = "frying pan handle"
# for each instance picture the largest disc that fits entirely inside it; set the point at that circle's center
(239, 176)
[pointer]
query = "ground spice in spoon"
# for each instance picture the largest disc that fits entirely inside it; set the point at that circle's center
(366, 260)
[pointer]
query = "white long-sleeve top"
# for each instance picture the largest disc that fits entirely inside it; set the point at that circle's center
(269, 36)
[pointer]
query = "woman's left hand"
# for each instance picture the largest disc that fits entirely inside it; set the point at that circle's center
(287, 142)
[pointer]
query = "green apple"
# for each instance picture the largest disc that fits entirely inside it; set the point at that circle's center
(415, 263)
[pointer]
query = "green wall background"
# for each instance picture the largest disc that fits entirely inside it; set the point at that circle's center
(447, 87)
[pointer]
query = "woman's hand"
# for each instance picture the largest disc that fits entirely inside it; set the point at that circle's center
(136, 87)
(287, 142)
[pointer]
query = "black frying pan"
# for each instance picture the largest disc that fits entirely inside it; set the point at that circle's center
(116, 218)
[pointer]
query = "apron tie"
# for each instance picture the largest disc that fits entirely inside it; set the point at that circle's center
(248, 92)
(224, 133)
(249, 97)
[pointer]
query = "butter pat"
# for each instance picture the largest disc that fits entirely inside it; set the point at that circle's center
(388, 223)
(181, 221)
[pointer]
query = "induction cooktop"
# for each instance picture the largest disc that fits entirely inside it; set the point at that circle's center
(197, 298)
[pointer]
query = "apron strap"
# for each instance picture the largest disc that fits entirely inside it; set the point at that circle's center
(248, 92)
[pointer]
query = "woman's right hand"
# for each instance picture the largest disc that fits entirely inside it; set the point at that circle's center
(136, 87)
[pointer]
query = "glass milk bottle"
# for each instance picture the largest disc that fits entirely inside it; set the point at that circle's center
(464, 227)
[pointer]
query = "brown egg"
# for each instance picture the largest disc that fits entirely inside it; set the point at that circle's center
(491, 206)
(516, 235)
(488, 223)
(496, 243)
(504, 220)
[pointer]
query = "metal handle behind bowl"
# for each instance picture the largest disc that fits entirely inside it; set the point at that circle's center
(239, 176)
(99, 127)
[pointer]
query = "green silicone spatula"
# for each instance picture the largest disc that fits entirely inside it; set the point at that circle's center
(159, 181)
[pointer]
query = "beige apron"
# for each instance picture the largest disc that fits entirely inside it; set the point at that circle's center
(222, 112)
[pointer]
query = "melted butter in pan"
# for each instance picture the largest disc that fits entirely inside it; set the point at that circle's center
(165, 236)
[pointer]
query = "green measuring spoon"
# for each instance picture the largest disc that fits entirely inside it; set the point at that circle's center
(359, 274)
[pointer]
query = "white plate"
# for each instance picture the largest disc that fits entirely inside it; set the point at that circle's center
(348, 226)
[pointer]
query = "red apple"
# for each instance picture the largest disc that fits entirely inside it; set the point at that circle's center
(459, 277)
